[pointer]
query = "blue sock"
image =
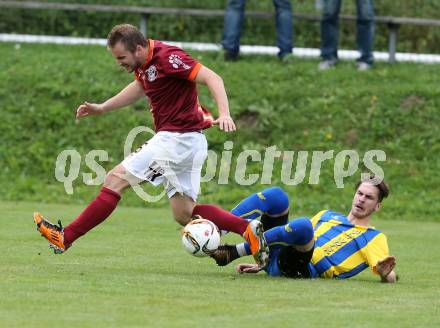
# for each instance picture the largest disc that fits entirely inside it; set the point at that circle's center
(296, 232)
(272, 201)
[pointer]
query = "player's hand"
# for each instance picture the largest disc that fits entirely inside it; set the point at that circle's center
(385, 266)
(247, 268)
(225, 123)
(87, 109)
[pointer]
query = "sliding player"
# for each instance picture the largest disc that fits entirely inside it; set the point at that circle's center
(330, 245)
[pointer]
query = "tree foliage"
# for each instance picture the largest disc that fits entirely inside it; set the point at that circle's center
(256, 31)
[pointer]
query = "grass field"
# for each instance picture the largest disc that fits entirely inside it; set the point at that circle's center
(132, 272)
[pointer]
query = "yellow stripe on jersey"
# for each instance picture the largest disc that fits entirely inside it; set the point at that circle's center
(351, 262)
(316, 218)
(323, 228)
(335, 244)
(318, 254)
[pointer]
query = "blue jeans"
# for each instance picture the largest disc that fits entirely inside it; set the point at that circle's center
(330, 29)
(234, 21)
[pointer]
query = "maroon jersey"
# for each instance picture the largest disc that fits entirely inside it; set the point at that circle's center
(167, 78)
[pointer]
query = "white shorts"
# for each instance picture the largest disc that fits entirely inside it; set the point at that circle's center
(171, 158)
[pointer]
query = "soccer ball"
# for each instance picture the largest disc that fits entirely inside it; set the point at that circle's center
(200, 237)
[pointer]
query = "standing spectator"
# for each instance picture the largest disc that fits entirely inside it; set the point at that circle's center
(234, 21)
(330, 30)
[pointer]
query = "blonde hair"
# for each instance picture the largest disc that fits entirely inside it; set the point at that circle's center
(128, 35)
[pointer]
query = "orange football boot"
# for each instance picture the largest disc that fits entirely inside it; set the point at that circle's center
(53, 233)
(254, 235)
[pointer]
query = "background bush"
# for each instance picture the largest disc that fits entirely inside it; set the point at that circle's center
(257, 31)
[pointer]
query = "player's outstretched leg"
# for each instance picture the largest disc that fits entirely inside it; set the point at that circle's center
(60, 239)
(258, 247)
(271, 201)
(54, 234)
(225, 254)
(251, 231)
(298, 233)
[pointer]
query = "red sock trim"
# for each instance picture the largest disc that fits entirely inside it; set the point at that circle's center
(110, 192)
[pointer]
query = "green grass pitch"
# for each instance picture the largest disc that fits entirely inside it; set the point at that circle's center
(132, 272)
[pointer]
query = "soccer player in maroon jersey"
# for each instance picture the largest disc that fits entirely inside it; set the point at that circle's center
(174, 156)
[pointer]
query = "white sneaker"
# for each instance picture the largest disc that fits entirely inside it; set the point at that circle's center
(363, 66)
(327, 64)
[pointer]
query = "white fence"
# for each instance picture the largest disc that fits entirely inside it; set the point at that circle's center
(244, 49)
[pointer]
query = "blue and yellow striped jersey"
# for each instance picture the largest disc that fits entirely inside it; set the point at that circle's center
(342, 249)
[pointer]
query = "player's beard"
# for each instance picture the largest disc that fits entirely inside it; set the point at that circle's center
(363, 215)
(135, 66)
(131, 68)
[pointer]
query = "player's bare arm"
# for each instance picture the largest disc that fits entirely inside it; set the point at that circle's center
(215, 85)
(385, 268)
(248, 268)
(130, 94)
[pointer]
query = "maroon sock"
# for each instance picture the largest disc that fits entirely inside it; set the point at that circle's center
(97, 211)
(223, 219)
